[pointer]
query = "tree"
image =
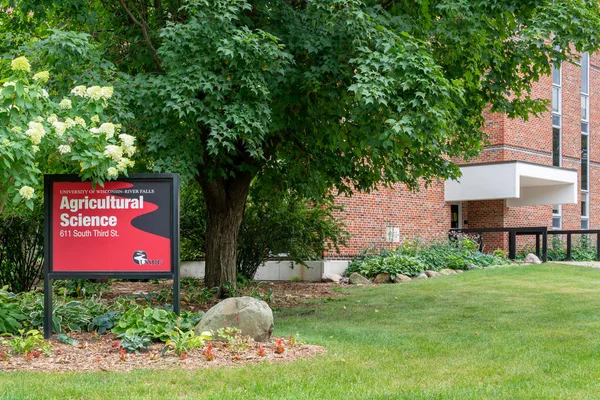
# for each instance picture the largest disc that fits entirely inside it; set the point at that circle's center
(340, 96)
(325, 96)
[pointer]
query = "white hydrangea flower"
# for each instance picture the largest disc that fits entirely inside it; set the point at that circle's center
(69, 123)
(59, 127)
(95, 118)
(79, 91)
(9, 84)
(112, 172)
(129, 150)
(35, 132)
(45, 93)
(42, 76)
(26, 192)
(123, 163)
(107, 92)
(95, 130)
(35, 149)
(80, 121)
(108, 129)
(64, 149)
(127, 140)
(66, 104)
(20, 64)
(113, 152)
(94, 93)
(16, 129)
(52, 119)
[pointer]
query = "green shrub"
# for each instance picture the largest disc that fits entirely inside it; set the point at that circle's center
(79, 288)
(133, 343)
(582, 249)
(155, 323)
(184, 341)
(286, 223)
(25, 342)
(21, 250)
(412, 258)
(67, 315)
(388, 263)
(10, 312)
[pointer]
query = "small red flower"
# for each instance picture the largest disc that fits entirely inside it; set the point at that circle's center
(279, 349)
(208, 352)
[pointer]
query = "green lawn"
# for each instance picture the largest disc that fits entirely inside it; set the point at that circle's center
(529, 332)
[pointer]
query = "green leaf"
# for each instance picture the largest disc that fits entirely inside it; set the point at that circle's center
(19, 88)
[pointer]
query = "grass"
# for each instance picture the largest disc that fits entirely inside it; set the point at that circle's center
(530, 332)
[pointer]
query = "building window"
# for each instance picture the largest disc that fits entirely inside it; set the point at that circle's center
(585, 141)
(556, 115)
(556, 217)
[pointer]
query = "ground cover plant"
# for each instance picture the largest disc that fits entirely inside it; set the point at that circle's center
(515, 333)
(414, 257)
(583, 248)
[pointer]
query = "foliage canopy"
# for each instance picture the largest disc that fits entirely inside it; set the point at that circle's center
(318, 96)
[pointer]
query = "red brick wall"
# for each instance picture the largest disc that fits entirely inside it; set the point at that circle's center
(425, 215)
(420, 215)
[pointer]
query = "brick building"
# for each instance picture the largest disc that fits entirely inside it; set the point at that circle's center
(539, 172)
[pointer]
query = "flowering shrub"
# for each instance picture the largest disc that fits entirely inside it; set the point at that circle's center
(39, 135)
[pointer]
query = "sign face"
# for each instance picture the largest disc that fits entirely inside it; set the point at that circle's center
(127, 226)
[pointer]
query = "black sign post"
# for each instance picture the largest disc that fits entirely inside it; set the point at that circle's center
(126, 229)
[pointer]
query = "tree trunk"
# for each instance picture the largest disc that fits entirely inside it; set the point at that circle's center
(225, 204)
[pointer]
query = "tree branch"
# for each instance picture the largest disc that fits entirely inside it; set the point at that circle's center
(142, 24)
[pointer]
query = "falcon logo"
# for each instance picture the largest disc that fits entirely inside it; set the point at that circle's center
(141, 258)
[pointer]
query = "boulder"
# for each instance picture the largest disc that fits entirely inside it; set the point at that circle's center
(252, 317)
(345, 280)
(431, 274)
(459, 271)
(447, 271)
(400, 278)
(382, 278)
(532, 259)
(472, 266)
(327, 277)
(421, 276)
(357, 279)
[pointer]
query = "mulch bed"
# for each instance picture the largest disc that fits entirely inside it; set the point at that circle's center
(103, 353)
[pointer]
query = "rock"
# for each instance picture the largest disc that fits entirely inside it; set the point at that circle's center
(421, 276)
(447, 271)
(382, 278)
(532, 259)
(356, 279)
(252, 317)
(400, 278)
(432, 274)
(345, 280)
(472, 266)
(327, 277)
(459, 271)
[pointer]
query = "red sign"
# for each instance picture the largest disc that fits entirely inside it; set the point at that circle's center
(125, 226)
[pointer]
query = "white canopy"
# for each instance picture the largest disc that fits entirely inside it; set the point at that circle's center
(520, 183)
